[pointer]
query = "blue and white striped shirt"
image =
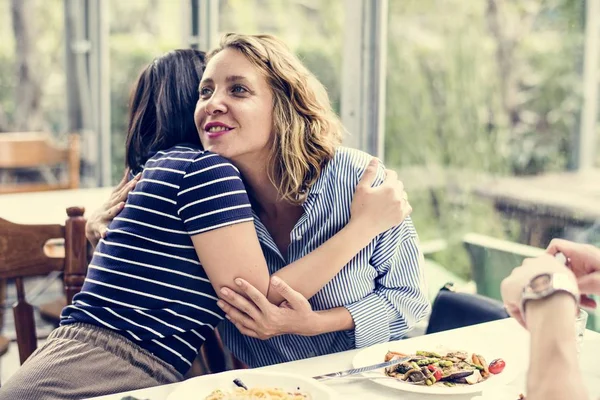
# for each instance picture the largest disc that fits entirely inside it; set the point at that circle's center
(383, 287)
(145, 280)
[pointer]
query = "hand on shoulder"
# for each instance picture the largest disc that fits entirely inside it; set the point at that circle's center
(382, 207)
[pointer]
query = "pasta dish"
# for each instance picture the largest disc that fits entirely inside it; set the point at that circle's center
(259, 393)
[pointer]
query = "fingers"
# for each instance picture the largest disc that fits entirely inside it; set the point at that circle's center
(238, 301)
(392, 177)
(120, 193)
(370, 173)
(123, 180)
(100, 227)
(295, 299)
(112, 212)
(102, 231)
(590, 284)
(236, 316)
(588, 302)
(560, 245)
(254, 294)
(582, 253)
(406, 207)
(91, 235)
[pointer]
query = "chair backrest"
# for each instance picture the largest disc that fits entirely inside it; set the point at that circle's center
(451, 310)
(22, 255)
(37, 150)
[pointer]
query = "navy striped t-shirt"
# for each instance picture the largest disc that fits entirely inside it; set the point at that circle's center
(145, 280)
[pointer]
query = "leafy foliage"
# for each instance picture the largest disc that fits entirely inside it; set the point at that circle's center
(487, 86)
(473, 87)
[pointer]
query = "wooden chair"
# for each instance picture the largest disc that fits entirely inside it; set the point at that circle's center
(22, 255)
(38, 150)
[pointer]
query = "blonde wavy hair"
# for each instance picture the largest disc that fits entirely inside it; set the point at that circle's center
(307, 131)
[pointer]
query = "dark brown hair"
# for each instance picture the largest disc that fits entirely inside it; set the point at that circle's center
(162, 106)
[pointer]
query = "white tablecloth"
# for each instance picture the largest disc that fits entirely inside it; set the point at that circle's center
(507, 335)
(49, 207)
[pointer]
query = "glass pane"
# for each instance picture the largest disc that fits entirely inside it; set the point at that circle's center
(32, 88)
(484, 101)
(36, 67)
(139, 31)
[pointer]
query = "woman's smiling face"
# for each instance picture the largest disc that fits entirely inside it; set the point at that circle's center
(234, 114)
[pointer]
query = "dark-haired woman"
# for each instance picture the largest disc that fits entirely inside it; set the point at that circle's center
(150, 297)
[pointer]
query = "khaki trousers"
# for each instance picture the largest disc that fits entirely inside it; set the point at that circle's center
(80, 361)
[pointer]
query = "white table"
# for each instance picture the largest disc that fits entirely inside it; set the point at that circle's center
(50, 207)
(508, 335)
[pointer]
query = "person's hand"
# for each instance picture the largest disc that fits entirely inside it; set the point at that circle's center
(379, 208)
(584, 261)
(512, 286)
(258, 318)
(97, 224)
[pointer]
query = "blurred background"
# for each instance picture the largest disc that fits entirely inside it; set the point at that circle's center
(486, 108)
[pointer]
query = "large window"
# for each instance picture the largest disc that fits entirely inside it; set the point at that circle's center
(139, 31)
(32, 77)
(484, 109)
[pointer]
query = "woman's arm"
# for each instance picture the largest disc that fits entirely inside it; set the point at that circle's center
(553, 352)
(396, 304)
(551, 323)
(399, 300)
(333, 320)
(234, 251)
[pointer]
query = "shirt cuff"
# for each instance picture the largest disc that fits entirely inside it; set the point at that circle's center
(371, 325)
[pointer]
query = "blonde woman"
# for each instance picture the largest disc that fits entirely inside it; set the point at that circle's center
(261, 109)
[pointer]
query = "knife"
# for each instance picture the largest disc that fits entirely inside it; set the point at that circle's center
(354, 371)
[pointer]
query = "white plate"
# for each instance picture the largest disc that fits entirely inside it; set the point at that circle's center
(200, 387)
(375, 354)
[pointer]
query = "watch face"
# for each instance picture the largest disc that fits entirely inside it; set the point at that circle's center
(540, 283)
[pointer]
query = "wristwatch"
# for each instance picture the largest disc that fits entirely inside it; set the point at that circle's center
(545, 285)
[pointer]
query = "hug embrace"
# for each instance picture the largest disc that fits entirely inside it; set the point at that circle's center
(245, 212)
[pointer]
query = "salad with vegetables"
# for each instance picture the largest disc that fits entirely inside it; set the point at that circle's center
(448, 368)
